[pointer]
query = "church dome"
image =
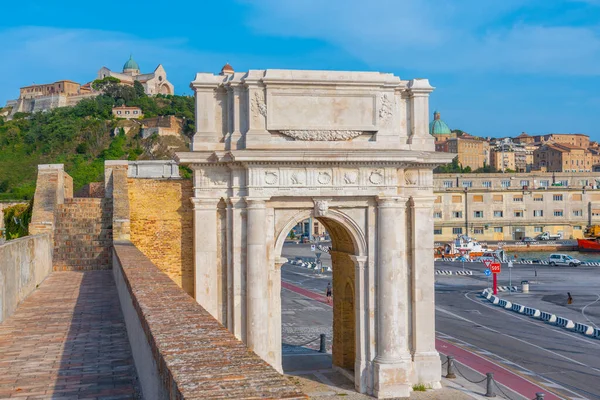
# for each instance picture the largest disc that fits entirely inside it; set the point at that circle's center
(437, 126)
(131, 65)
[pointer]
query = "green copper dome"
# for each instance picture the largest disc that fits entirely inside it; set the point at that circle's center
(437, 126)
(131, 64)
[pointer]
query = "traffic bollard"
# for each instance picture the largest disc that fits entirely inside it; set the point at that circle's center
(450, 373)
(490, 390)
(539, 396)
(322, 348)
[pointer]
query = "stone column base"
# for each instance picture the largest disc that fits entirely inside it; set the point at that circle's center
(392, 379)
(428, 369)
(362, 371)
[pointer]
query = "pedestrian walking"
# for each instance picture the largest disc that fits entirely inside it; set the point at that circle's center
(328, 292)
(569, 299)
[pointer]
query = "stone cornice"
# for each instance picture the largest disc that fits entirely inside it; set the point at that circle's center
(404, 157)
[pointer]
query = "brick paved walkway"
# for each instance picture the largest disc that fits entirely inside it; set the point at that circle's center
(67, 340)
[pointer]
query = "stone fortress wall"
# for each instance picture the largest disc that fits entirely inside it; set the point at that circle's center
(162, 226)
(175, 356)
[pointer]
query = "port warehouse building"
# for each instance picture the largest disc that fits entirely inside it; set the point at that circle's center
(512, 206)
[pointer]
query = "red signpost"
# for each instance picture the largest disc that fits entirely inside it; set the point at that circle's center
(495, 268)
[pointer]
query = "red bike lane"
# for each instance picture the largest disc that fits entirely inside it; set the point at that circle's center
(474, 361)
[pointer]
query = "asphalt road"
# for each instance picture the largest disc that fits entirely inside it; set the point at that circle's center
(565, 363)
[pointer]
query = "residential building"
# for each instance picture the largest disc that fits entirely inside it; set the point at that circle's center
(561, 157)
(167, 125)
(524, 138)
(127, 112)
(506, 154)
(574, 139)
(513, 206)
(472, 152)
(502, 160)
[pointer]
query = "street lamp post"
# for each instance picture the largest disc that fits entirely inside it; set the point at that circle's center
(466, 213)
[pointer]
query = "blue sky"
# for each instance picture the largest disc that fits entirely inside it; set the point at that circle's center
(500, 66)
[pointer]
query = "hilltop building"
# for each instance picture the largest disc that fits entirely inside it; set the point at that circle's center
(47, 96)
(65, 93)
(128, 112)
(154, 82)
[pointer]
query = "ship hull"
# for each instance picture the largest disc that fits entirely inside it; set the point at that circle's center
(588, 245)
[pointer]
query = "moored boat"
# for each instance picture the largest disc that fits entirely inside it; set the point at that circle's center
(588, 245)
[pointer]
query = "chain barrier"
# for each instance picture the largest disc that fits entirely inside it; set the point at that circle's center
(463, 375)
(502, 391)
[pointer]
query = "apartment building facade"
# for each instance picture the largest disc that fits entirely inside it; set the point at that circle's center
(513, 206)
(561, 157)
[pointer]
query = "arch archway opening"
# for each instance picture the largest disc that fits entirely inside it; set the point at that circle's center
(337, 248)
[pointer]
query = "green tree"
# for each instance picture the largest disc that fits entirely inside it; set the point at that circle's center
(139, 89)
(16, 220)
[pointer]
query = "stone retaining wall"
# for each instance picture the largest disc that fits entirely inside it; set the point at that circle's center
(24, 264)
(180, 350)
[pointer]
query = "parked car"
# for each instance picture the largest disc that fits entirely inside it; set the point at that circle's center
(548, 236)
(527, 239)
(563, 259)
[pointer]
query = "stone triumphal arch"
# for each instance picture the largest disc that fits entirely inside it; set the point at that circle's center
(352, 149)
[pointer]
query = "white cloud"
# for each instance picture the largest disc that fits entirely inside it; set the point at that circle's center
(449, 36)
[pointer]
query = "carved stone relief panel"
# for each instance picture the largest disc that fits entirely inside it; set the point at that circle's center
(258, 108)
(271, 177)
(386, 107)
(324, 177)
(217, 177)
(322, 135)
(411, 177)
(297, 177)
(350, 176)
(376, 176)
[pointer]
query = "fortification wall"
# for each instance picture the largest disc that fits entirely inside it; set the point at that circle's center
(190, 355)
(161, 218)
(24, 264)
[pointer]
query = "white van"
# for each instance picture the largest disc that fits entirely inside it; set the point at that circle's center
(563, 259)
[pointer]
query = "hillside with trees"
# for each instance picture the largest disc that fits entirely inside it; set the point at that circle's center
(83, 136)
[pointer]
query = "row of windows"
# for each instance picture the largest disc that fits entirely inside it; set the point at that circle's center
(506, 183)
(516, 213)
(497, 229)
(478, 198)
(127, 112)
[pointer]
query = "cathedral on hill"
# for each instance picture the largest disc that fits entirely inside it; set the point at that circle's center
(154, 82)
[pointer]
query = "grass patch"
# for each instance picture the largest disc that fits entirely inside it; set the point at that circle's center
(420, 387)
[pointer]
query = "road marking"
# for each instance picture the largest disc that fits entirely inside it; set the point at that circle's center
(524, 341)
(558, 330)
(583, 311)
